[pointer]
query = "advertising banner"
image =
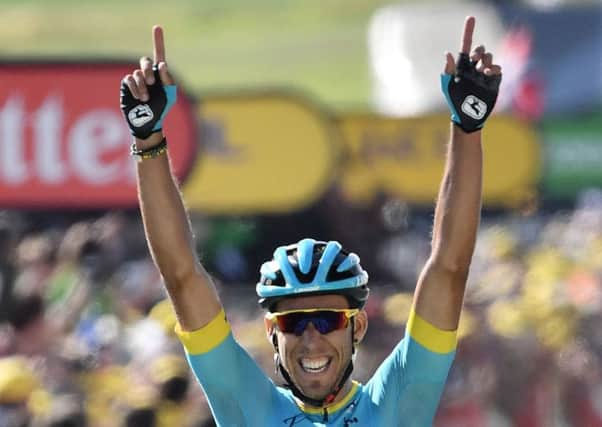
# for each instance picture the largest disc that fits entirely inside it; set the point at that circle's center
(262, 153)
(573, 156)
(405, 158)
(63, 139)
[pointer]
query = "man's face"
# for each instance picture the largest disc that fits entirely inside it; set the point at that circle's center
(316, 362)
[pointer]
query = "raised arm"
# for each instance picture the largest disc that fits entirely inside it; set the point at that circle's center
(470, 86)
(166, 223)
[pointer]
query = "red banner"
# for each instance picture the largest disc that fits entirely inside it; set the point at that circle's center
(63, 139)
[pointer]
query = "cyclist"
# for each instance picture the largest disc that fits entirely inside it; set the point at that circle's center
(314, 292)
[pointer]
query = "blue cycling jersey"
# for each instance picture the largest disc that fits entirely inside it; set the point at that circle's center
(404, 391)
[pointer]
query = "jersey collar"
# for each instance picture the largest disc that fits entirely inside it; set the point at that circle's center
(333, 407)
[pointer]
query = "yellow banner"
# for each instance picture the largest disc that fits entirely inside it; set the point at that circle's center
(405, 157)
(261, 153)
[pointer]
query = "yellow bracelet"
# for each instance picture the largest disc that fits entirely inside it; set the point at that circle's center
(149, 153)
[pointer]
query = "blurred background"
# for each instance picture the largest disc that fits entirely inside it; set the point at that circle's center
(296, 119)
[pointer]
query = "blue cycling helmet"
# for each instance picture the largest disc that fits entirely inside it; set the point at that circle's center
(312, 267)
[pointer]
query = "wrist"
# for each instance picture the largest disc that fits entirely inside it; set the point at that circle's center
(144, 144)
(458, 132)
(149, 153)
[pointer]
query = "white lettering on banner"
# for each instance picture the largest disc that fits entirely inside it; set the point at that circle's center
(96, 132)
(13, 168)
(89, 151)
(47, 123)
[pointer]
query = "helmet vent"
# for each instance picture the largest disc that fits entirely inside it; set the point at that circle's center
(277, 281)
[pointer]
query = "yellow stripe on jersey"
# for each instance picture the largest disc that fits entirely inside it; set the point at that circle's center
(429, 336)
(206, 338)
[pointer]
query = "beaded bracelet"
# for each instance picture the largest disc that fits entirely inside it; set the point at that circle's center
(149, 153)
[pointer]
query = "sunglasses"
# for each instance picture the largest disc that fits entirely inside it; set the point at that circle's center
(324, 320)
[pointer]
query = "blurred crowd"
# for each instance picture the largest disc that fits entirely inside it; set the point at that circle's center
(86, 333)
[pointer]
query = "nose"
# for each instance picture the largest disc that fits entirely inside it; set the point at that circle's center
(310, 333)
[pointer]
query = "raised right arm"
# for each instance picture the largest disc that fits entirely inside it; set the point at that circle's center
(171, 242)
(166, 224)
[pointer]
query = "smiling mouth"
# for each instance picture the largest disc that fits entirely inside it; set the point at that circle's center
(315, 365)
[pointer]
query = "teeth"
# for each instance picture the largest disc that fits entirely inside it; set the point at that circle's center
(315, 365)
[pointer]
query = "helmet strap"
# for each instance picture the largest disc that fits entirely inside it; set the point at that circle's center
(353, 341)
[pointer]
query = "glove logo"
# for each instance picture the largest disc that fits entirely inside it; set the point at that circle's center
(474, 107)
(140, 115)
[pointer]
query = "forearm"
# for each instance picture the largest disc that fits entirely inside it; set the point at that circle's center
(458, 209)
(165, 220)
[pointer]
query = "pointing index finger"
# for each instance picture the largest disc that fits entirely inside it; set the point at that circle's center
(158, 45)
(467, 36)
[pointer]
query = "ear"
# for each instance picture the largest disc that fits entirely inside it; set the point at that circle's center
(360, 327)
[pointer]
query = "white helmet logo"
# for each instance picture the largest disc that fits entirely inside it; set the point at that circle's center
(474, 107)
(140, 115)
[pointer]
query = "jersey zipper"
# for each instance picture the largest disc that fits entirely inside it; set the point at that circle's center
(325, 416)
